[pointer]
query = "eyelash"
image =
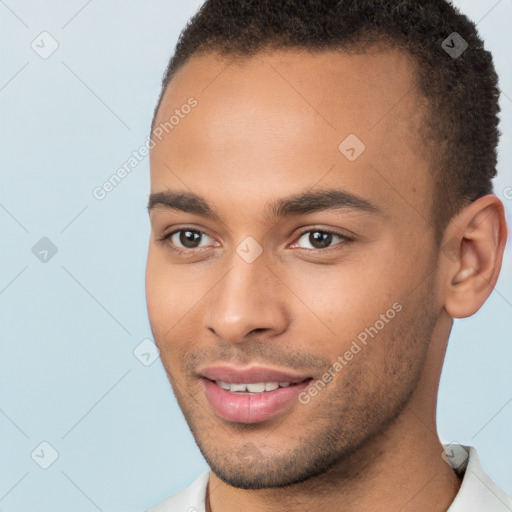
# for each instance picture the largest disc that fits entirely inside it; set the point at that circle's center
(179, 250)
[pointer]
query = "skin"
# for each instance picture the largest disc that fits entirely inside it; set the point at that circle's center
(265, 128)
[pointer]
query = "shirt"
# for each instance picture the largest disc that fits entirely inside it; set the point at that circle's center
(477, 493)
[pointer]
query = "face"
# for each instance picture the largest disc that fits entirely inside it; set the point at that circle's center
(286, 250)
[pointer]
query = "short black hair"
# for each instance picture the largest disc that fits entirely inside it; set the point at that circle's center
(461, 127)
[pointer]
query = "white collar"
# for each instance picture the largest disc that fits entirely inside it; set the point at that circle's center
(478, 493)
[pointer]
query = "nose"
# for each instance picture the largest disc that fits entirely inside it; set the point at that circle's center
(249, 298)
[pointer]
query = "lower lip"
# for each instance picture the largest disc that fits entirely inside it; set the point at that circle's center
(254, 408)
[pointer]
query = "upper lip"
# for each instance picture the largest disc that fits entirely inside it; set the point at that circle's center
(249, 375)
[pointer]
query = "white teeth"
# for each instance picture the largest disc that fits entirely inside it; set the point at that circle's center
(256, 387)
(238, 387)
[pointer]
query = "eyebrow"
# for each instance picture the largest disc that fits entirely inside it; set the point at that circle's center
(299, 204)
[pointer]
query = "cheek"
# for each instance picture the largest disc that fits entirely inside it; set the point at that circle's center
(162, 313)
(341, 302)
(165, 297)
(156, 298)
(166, 288)
(173, 299)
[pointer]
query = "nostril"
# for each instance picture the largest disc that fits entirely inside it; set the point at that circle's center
(259, 329)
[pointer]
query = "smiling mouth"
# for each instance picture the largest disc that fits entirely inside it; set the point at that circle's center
(255, 388)
(256, 401)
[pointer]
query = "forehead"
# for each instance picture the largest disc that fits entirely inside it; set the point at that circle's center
(285, 120)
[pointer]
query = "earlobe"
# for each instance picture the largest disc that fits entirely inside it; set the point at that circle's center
(473, 254)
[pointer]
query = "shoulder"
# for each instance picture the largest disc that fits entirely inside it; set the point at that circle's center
(190, 499)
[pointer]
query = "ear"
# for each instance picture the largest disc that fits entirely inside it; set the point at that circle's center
(471, 255)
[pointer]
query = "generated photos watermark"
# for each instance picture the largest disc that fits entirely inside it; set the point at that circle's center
(100, 192)
(370, 332)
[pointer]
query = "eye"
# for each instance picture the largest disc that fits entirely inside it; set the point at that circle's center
(185, 239)
(319, 239)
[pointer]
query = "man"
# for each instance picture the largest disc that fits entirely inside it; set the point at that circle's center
(321, 209)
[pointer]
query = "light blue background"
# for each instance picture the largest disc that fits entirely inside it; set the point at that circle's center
(68, 374)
